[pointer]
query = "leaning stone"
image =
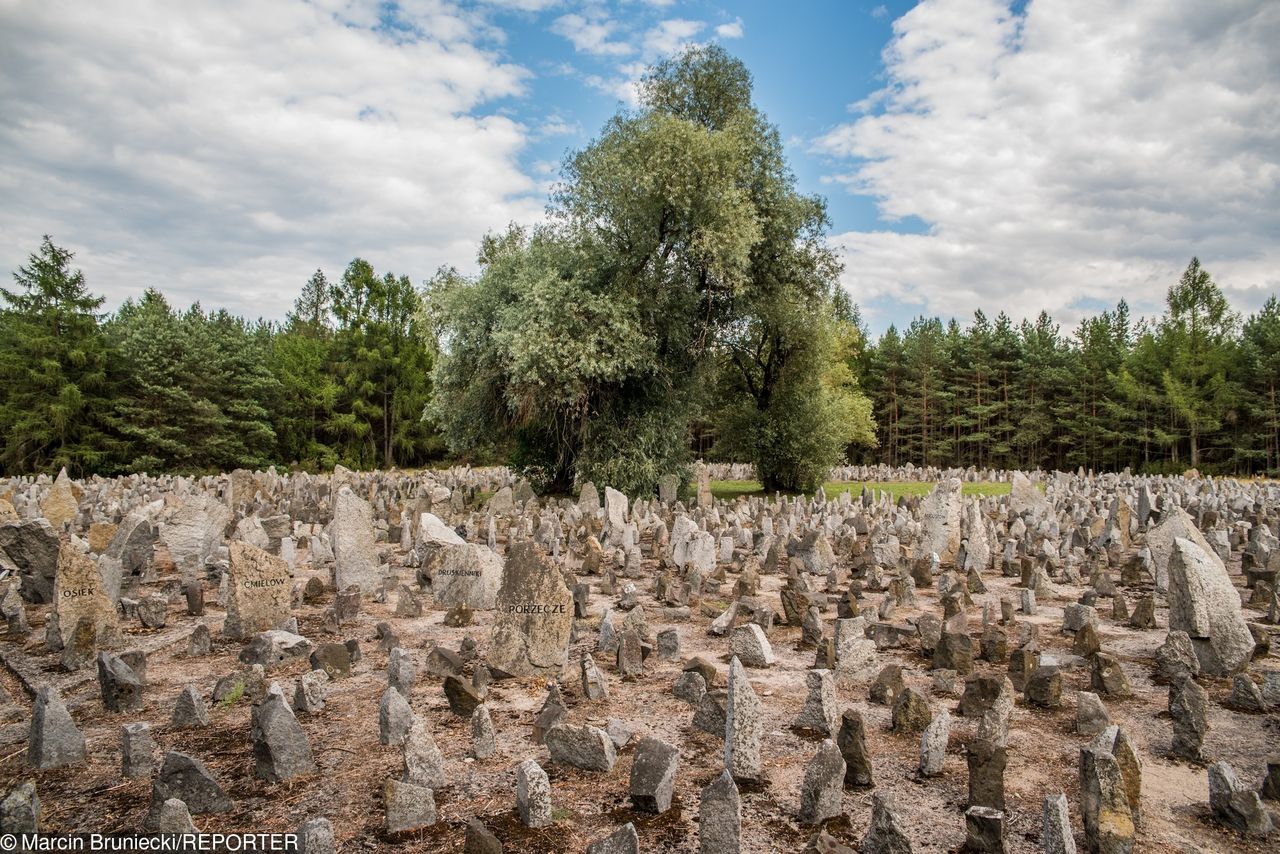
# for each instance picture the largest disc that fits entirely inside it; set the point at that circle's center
(333, 658)
(720, 817)
(54, 740)
(463, 698)
(584, 747)
(480, 840)
(1204, 603)
(594, 685)
(1235, 805)
(533, 794)
(690, 686)
(408, 806)
(1104, 807)
(1106, 676)
(624, 840)
(189, 711)
(821, 789)
(751, 647)
(887, 685)
(852, 742)
(281, 750)
(653, 775)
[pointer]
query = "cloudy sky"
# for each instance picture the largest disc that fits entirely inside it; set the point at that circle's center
(1057, 154)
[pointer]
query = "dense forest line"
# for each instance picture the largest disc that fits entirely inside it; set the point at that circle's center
(345, 379)
(681, 299)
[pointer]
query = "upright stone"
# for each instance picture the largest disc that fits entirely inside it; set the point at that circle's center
(81, 595)
(469, 574)
(821, 711)
(720, 817)
(933, 744)
(137, 751)
(821, 789)
(259, 590)
(535, 616)
(624, 840)
(1104, 807)
(533, 794)
(1236, 805)
(653, 775)
(885, 834)
(185, 778)
(1055, 833)
(940, 522)
(355, 552)
(743, 726)
(423, 762)
(1189, 709)
(852, 741)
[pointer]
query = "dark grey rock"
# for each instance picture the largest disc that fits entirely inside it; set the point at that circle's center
(653, 775)
(54, 740)
(281, 750)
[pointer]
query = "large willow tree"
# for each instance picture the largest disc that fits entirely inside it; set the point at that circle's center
(677, 241)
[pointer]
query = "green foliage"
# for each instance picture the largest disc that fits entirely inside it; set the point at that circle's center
(55, 381)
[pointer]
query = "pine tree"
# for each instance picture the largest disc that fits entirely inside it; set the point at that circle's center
(55, 383)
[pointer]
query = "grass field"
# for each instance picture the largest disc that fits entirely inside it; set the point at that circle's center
(731, 489)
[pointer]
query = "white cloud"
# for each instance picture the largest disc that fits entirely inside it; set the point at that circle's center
(590, 36)
(1082, 150)
(222, 151)
(732, 30)
(670, 36)
(880, 11)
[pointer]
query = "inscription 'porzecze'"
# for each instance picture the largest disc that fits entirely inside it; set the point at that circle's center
(534, 608)
(79, 591)
(266, 582)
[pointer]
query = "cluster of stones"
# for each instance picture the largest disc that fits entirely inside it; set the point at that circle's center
(845, 579)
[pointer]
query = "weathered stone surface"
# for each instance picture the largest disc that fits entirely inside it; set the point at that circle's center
(423, 762)
(1044, 687)
(408, 806)
(885, 834)
(281, 750)
(175, 818)
(315, 836)
(469, 574)
(821, 789)
(933, 744)
(852, 741)
(333, 658)
(1176, 658)
(463, 698)
(821, 711)
(1106, 676)
(80, 594)
(120, 687)
(310, 691)
(940, 522)
(20, 809)
(193, 533)
(1161, 542)
(887, 686)
(584, 747)
(483, 742)
(137, 751)
(32, 548)
(259, 590)
(533, 794)
(480, 840)
(624, 840)
(401, 672)
(355, 555)
(60, 504)
(1104, 807)
(394, 717)
(911, 713)
(185, 778)
(189, 710)
(743, 727)
(1234, 804)
(1189, 709)
(752, 648)
(274, 648)
(984, 830)
(535, 615)
(720, 817)
(1091, 714)
(653, 775)
(1055, 833)
(986, 774)
(1204, 603)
